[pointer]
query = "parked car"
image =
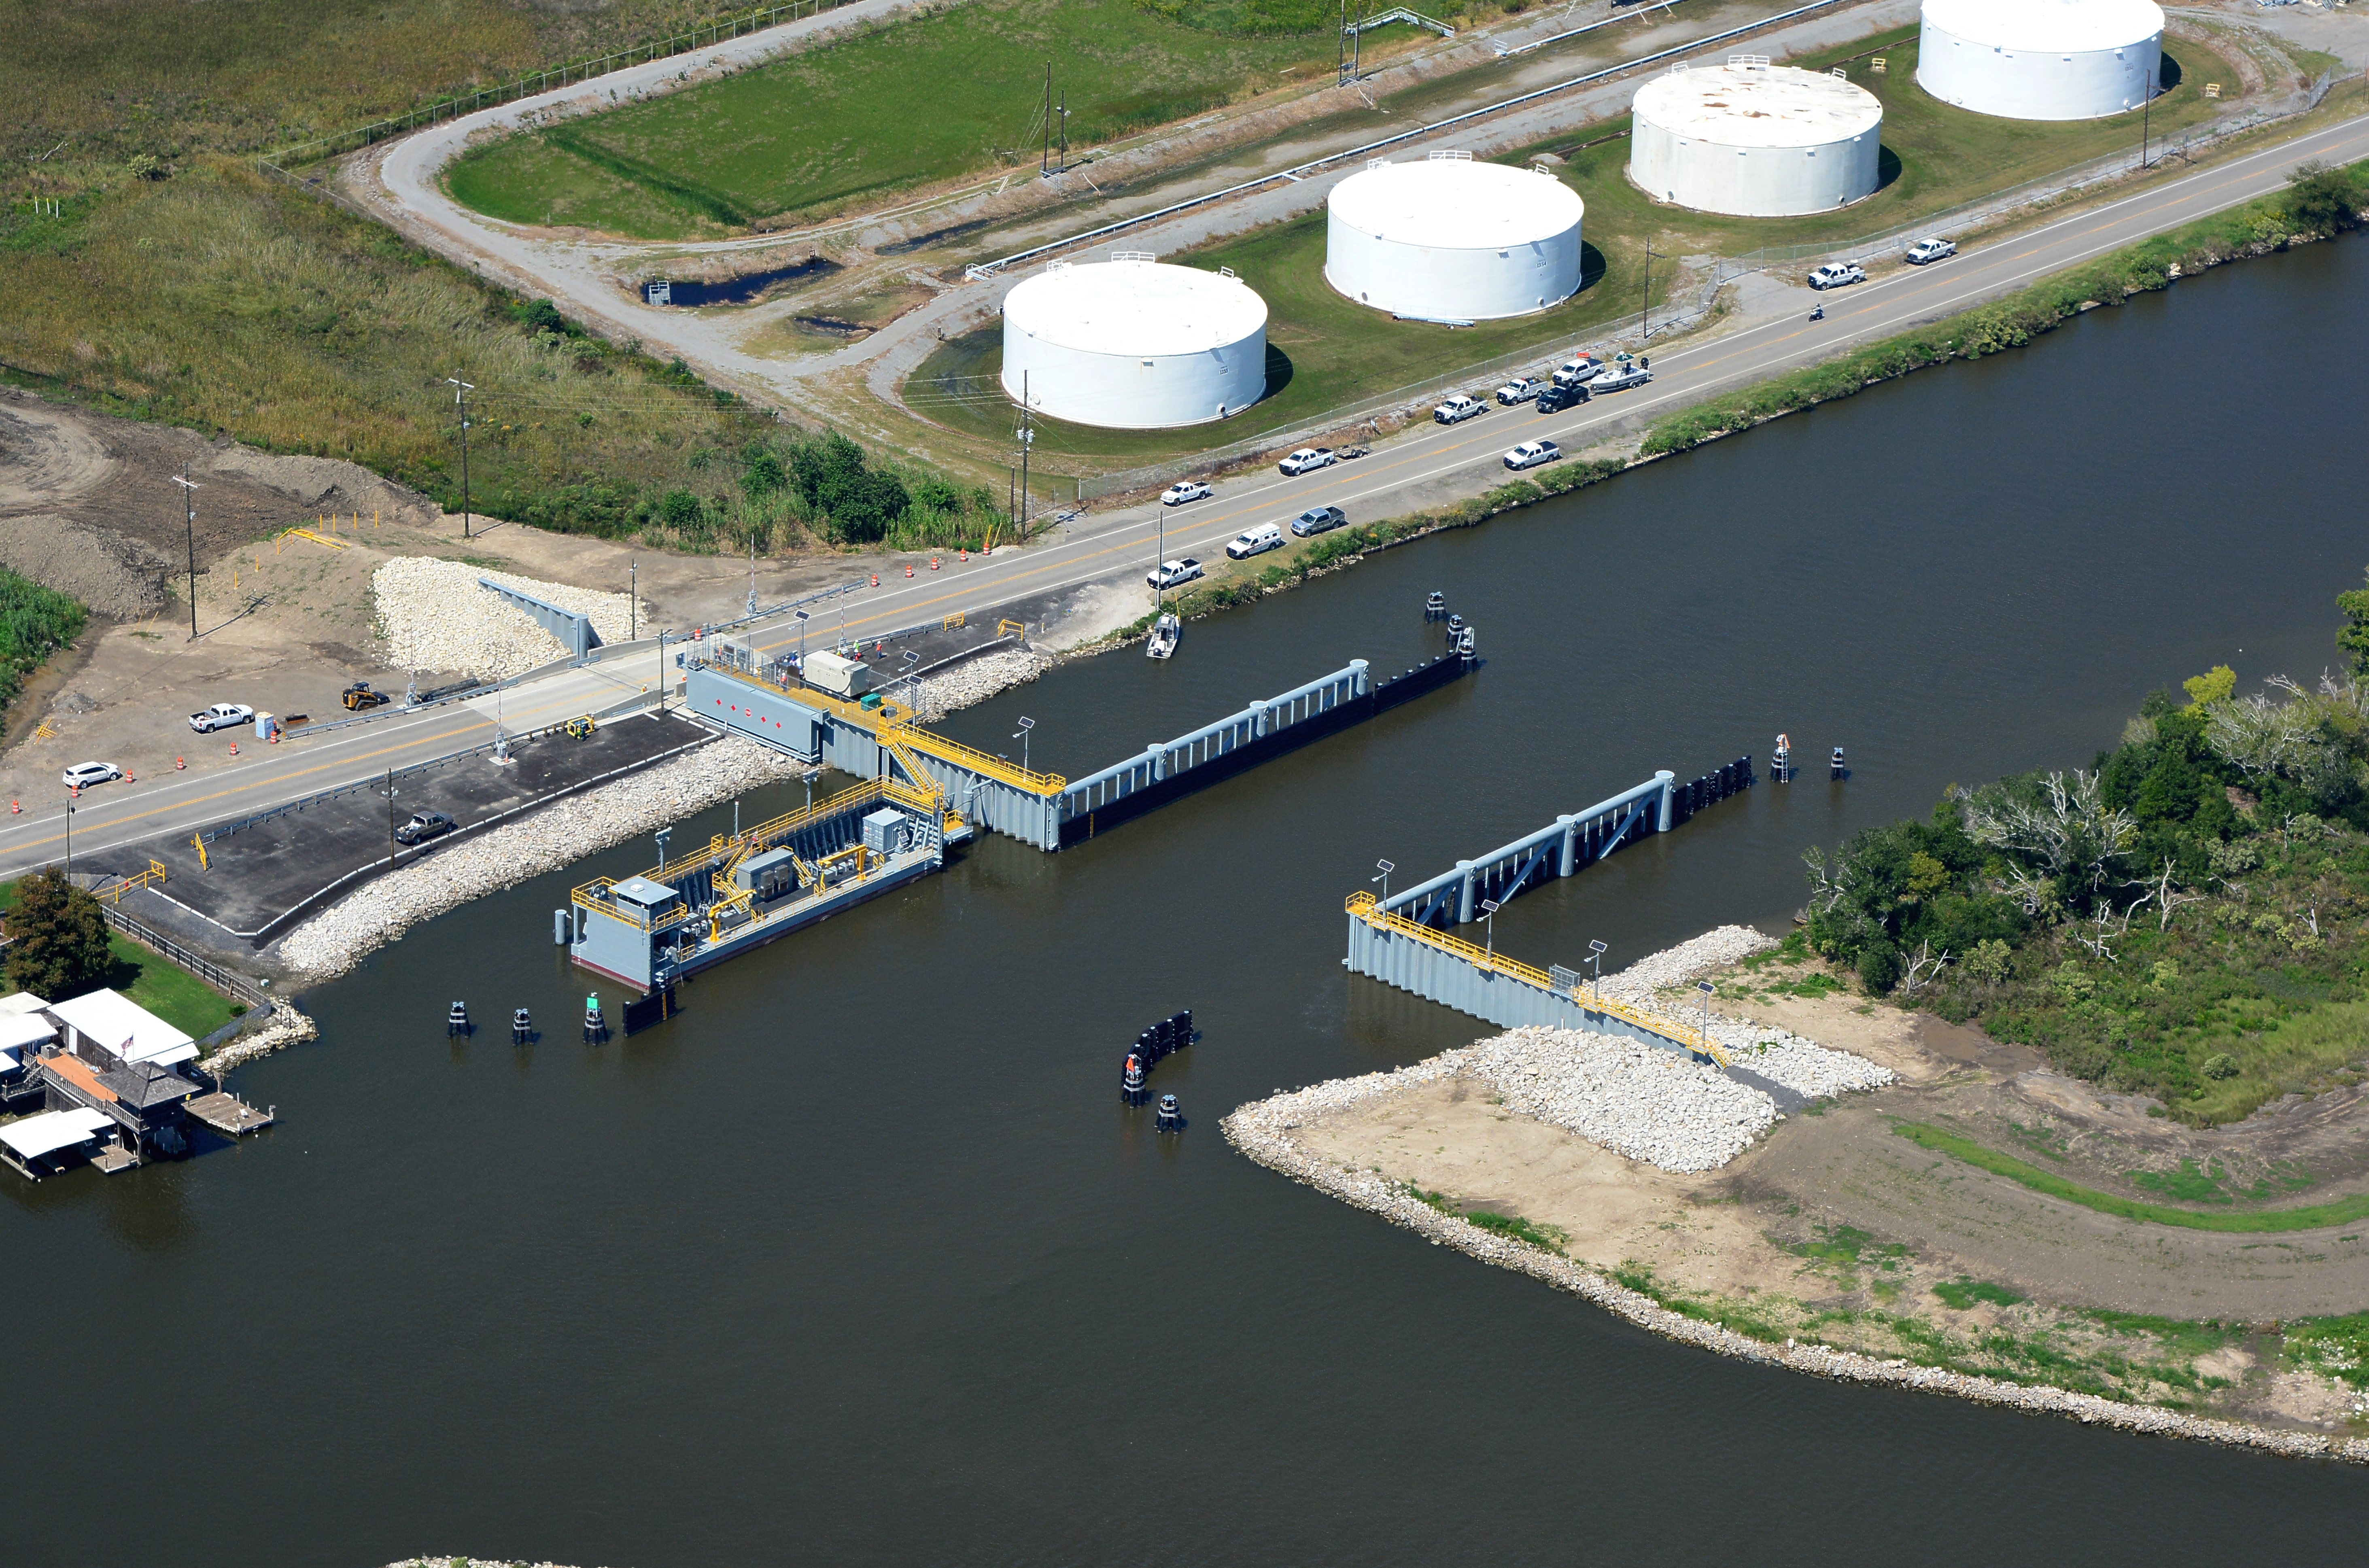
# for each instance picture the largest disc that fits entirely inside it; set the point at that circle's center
(1835, 274)
(1577, 370)
(1555, 399)
(1307, 460)
(1319, 520)
(1251, 541)
(1184, 490)
(1529, 454)
(1168, 574)
(221, 715)
(82, 775)
(1926, 250)
(424, 826)
(1457, 409)
(1521, 389)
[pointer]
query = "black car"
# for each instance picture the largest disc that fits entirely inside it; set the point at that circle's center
(1317, 520)
(423, 825)
(1556, 398)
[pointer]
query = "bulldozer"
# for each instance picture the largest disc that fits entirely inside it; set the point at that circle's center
(358, 697)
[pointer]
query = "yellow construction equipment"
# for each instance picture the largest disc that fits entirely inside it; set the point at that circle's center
(580, 728)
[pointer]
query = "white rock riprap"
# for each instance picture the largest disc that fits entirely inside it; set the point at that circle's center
(977, 680)
(546, 839)
(1688, 961)
(1637, 1100)
(286, 1027)
(435, 614)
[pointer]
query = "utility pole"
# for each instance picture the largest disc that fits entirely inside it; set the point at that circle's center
(1027, 435)
(1065, 129)
(390, 816)
(190, 522)
(1646, 326)
(1045, 155)
(460, 401)
(752, 569)
(1341, 48)
(633, 598)
(661, 674)
(2147, 115)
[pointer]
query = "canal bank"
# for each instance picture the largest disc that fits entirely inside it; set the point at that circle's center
(866, 1231)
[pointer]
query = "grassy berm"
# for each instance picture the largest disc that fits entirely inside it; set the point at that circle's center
(175, 285)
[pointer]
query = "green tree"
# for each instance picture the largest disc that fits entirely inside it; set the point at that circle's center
(2210, 687)
(2325, 200)
(2354, 638)
(57, 938)
(861, 502)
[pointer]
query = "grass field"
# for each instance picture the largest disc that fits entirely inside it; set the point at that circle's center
(2313, 1216)
(1934, 157)
(156, 983)
(909, 103)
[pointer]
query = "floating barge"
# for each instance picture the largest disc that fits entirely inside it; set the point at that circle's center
(780, 877)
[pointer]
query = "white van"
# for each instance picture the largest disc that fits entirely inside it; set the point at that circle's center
(1251, 541)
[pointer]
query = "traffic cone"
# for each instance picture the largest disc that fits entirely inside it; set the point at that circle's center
(75, 791)
(16, 808)
(966, 557)
(233, 747)
(875, 579)
(909, 568)
(933, 563)
(129, 777)
(179, 766)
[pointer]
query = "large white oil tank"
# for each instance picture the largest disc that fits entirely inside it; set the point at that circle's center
(1755, 139)
(1449, 239)
(2040, 59)
(1133, 345)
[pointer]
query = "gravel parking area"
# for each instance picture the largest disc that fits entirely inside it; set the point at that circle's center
(436, 615)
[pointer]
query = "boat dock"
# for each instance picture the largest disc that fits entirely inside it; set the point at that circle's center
(226, 1113)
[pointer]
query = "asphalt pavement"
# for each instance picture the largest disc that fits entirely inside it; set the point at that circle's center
(1411, 470)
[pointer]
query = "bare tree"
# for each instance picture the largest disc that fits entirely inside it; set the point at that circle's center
(2258, 736)
(1924, 967)
(2167, 898)
(2102, 931)
(1833, 882)
(2069, 829)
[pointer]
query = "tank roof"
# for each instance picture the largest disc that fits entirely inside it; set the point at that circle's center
(1455, 204)
(2060, 25)
(1758, 105)
(1136, 307)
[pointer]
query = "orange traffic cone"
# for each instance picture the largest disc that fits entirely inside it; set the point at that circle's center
(875, 579)
(131, 778)
(16, 808)
(75, 791)
(233, 747)
(966, 557)
(179, 766)
(933, 563)
(909, 568)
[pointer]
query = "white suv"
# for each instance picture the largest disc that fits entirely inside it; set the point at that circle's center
(1835, 274)
(82, 775)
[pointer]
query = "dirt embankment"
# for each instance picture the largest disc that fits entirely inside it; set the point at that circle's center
(1836, 1230)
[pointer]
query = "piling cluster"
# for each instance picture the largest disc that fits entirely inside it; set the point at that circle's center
(558, 835)
(436, 615)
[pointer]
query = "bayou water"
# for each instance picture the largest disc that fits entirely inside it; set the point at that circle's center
(861, 1260)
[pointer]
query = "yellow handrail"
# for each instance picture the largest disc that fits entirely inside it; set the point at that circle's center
(1365, 906)
(878, 721)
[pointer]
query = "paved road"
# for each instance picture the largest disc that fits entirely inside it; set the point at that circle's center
(1119, 547)
(1466, 458)
(220, 788)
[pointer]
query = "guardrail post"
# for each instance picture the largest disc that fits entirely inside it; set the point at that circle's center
(1667, 780)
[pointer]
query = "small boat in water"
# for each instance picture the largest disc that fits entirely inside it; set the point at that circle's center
(1165, 634)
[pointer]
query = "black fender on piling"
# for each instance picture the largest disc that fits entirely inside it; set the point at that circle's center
(1171, 1115)
(522, 1027)
(456, 1022)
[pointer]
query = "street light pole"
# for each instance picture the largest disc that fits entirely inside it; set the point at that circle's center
(1025, 725)
(1707, 989)
(460, 401)
(1596, 951)
(69, 811)
(190, 522)
(1385, 867)
(633, 598)
(1489, 909)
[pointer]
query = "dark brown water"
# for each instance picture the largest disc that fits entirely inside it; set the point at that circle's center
(861, 1259)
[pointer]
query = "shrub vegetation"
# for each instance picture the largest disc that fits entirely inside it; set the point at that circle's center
(2181, 918)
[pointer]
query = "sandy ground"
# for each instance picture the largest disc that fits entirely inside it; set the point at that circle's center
(1838, 1169)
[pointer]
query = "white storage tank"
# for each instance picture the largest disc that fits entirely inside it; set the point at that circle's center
(1755, 140)
(1133, 345)
(2040, 59)
(1449, 239)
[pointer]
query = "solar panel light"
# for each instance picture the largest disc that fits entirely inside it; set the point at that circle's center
(1385, 867)
(1489, 911)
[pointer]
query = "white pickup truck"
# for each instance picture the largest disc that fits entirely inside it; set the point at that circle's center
(1168, 574)
(1307, 460)
(221, 715)
(1458, 409)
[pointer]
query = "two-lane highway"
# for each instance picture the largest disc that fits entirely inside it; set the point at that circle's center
(1119, 547)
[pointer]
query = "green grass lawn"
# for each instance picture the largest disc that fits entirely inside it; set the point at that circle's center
(1324, 350)
(918, 100)
(155, 982)
(1934, 157)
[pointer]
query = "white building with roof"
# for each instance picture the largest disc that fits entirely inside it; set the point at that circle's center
(1132, 344)
(1755, 140)
(1449, 239)
(2040, 59)
(108, 1027)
